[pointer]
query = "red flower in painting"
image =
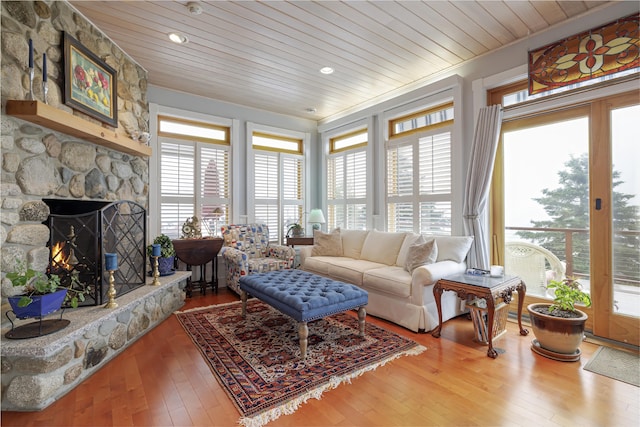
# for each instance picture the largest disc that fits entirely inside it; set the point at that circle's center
(81, 76)
(103, 81)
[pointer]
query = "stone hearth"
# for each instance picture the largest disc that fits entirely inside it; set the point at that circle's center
(38, 371)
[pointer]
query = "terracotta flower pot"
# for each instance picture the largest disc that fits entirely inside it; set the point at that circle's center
(557, 334)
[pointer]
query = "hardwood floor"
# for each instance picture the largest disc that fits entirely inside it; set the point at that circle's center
(162, 380)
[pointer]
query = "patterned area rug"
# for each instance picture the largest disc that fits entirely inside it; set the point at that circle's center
(617, 364)
(257, 362)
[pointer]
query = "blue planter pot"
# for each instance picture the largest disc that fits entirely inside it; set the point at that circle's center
(40, 306)
(165, 265)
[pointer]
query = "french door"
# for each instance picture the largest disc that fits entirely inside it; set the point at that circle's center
(615, 218)
(566, 181)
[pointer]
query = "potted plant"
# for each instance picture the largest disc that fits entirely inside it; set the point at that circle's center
(295, 230)
(167, 254)
(43, 294)
(559, 327)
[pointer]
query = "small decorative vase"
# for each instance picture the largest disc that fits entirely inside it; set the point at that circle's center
(40, 306)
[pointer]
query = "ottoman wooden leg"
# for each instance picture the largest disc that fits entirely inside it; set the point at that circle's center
(362, 315)
(303, 334)
(243, 297)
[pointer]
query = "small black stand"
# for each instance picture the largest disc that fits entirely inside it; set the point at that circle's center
(36, 329)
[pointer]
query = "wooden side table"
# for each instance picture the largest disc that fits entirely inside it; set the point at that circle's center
(199, 252)
(292, 241)
(485, 287)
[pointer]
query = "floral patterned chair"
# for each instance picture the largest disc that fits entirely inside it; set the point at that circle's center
(246, 250)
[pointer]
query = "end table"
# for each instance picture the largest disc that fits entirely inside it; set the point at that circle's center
(486, 287)
(292, 241)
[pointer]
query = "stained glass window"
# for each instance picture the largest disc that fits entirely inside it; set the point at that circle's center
(609, 49)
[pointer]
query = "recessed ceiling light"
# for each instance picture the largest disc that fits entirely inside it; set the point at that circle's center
(326, 70)
(310, 110)
(178, 38)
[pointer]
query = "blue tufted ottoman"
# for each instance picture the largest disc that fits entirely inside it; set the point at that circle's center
(304, 297)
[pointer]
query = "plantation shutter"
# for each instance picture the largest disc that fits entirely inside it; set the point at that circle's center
(214, 184)
(292, 181)
(347, 189)
(266, 190)
(435, 183)
(419, 184)
(400, 191)
(177, 188)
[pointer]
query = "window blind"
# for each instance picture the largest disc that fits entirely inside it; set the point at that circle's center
(419, 184)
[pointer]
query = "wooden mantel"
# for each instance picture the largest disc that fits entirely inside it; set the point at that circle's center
(61, 121)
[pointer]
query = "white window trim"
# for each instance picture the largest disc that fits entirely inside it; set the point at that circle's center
(306, 144)
(326, 136)
(458, 158)
(155, 110)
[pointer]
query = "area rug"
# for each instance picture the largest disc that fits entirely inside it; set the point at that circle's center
(617, 364)
(257, 359)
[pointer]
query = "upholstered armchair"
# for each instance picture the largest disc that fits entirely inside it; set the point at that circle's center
(246, 250)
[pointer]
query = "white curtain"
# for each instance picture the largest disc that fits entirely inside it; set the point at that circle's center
(483, 155)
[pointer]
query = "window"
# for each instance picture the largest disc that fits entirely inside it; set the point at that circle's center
(419, 172)
(431, 118)
(278, 186)
(347, 181)
(194, 175)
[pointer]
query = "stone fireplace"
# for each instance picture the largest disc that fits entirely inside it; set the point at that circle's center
(81, 232)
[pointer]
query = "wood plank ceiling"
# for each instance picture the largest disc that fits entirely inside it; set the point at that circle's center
(268, 54)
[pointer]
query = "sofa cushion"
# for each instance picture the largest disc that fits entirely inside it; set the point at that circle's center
(454, 248)
(421, 253)
(327, 244)
(352, 241)
(351, 270)
(382, 247)
(409, 240)
(319, 264)
(389, 280)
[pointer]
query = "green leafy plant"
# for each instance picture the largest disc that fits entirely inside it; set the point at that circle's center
(294, 230)
(568, 292)
(38, 283)
(166, 246)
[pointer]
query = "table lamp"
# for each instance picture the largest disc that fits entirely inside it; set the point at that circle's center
(316, 217)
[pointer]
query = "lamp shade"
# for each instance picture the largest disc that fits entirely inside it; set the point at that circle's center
(316, 217)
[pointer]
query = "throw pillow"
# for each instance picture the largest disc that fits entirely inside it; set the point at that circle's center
(421, 253)
(327, 244)
(382, 247)
(454, 248)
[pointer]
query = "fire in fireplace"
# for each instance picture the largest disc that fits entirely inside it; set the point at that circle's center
(81, 232)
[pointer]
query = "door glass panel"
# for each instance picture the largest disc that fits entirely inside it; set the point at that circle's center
(546, 202)
(626, 210)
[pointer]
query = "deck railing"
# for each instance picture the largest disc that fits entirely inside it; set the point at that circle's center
(627, 272)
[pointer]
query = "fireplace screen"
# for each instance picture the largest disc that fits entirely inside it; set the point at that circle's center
(81, 232)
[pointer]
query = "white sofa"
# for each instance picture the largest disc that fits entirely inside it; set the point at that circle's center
(375, 261)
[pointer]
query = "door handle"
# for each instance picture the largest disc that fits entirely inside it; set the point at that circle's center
(598, 204)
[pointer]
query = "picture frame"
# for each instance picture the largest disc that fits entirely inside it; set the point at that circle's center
(90, 85)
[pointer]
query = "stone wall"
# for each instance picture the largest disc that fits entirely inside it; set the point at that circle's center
(39, 163)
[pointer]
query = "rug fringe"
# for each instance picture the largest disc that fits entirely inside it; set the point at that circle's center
(207, 307)
(292, 405)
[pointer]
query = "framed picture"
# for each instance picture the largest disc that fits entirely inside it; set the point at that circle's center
(90, 85)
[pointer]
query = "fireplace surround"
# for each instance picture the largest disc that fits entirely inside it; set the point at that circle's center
(82, 231)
